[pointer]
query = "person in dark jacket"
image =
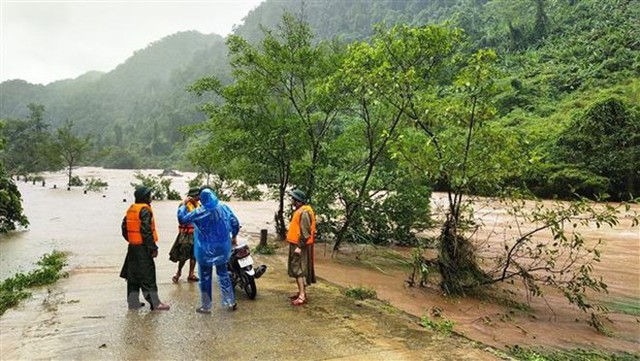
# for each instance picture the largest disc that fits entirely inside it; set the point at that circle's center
(139, 268)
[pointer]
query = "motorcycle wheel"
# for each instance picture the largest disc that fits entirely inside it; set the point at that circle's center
(250, 286)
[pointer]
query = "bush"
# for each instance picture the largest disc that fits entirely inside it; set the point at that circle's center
(75, 181)
(567, 182)
(360, 293)
(95, 184)
(161, 187)
(438, 324)
(12, 289)
(267, 249)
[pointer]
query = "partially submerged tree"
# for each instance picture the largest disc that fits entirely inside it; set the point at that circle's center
(379, 81)
(549, 251)
(71, 148)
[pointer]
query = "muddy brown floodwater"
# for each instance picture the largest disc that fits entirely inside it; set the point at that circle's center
(85, 317)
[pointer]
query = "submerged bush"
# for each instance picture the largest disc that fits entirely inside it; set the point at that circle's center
(95, 184)
(12, 289)
(161, 187)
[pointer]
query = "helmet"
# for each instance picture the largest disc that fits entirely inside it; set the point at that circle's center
(298, 195)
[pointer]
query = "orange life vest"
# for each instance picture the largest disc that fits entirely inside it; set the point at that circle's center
(133, 224)
(188, 228)
(293, 235)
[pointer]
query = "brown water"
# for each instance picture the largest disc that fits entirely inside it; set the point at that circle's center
(551, 322)
(85, 316)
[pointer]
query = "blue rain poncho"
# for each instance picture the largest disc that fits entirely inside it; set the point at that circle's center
(214, 224)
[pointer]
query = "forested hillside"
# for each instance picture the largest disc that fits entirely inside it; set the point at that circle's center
(134, 109)
(565, 66)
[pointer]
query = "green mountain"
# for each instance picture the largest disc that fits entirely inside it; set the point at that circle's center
(143, 97)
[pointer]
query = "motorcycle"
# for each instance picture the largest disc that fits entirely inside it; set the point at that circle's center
(241, 270)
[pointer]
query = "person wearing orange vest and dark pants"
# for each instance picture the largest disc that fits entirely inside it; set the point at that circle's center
(139, 268)
(301, 236)
(182, 249)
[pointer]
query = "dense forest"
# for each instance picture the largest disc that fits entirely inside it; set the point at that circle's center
(567, 87)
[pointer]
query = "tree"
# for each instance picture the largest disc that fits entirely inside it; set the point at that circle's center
(71, 148)
(463, 153)
(209, 153)
(11, 212)
(379, 81)
(605, 141)
(274, 116)
(29, 149)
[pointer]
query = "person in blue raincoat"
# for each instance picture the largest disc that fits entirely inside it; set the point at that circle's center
(215, 225)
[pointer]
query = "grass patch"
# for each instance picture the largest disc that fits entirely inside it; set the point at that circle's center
(360, 293)
(528, 354)
(267, 249)
(627, 306)
(438, 324)
(12, 290)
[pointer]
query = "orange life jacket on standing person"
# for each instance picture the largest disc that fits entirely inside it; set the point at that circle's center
(293, 235)
(188, 228)
(133, 224)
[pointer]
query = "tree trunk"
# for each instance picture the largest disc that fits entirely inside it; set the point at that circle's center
(281, 228)
(457, 261)
(342, 231)
(263, 238)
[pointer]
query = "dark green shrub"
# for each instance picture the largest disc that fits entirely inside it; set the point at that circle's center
(565, 183)
(95, 184)
(360, 293)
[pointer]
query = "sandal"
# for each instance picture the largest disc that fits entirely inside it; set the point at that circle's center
(175, 278)
(193, 279)
(293, 297)
(203, 310)
(299, 301)
(161, 307)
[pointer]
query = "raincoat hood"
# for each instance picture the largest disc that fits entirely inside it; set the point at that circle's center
(214, 224)
(208, 199)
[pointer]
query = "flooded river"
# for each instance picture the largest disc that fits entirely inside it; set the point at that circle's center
(85, 316)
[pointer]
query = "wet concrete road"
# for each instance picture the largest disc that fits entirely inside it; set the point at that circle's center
(84, 316)
(67, 322)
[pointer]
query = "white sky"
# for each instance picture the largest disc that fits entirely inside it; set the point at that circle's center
(43, 41)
